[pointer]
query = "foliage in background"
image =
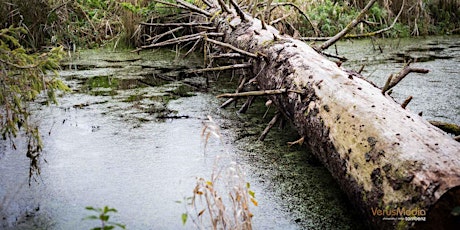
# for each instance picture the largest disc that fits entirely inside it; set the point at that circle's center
(419, 17)
(23, 78)
(103, 216)
(93, 23)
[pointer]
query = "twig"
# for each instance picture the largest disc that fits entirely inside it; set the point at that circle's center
(406, 102)
(279, 19)
(347, 29)
(185, 38)
(226, 55)
(378, 31)
(238, 10)
(260, 93)
(177, 24)
(232, 47)
(157, 37)
(223, 6)
(269, 126)
(297, 142)
(194, 8)
(394, 80)
(240, 87)
(317, 32)
(220, 68)
(246, 105)
(170, 4)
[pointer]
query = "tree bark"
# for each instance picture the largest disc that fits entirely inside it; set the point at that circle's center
(384, 157)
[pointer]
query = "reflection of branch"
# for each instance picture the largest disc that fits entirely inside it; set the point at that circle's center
(347, 29)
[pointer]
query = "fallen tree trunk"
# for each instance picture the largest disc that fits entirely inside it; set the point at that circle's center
(392, 164)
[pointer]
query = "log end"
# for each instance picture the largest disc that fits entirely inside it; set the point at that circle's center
(445, 213)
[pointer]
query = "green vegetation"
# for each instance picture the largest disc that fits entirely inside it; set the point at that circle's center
(328, 17)
(103, 216)
(23, 79)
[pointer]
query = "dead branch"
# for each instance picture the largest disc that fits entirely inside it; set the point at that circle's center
(240, 87)
(226, 55)
(370, 34)
(347, 29)
(297, 142)
(246, 104)
(394, 80)
(317, 32)
(169, 4)
(221, 68)
(159, 36)
(172, 41)
(279, 19)
(315, 38)
(447, 127)
(406, 102)
(243, 52)
(259, 93)
(177, 24)
(238, 10)
(194, 8)
(269, 126)
(224, 7)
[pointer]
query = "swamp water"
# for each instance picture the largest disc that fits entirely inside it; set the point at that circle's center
(130, 138)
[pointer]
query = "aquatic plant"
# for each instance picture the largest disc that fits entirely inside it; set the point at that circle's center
(103, 216)
(223, 201)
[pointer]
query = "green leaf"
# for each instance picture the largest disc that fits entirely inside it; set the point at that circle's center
(184, 218)
(91, 218)
(252, 193)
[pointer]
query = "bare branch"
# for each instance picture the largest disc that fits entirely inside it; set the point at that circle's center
(194, 8)
(347, 29)
(394, 80)
(260, 93)
(220, 68)
(238, 10)
(243, 52)
(269, 126)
